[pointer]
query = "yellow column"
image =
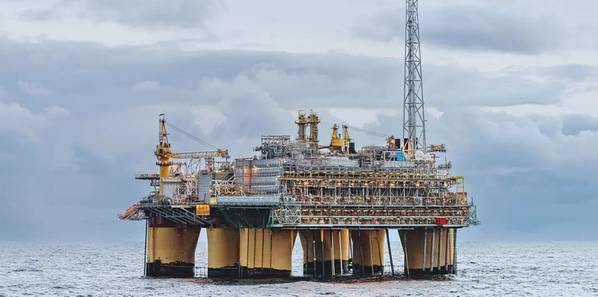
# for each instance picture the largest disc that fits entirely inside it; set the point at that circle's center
(325, 252)
(344, 249)
(266, 252)
(171, 251)
(428, 251)
(223, 252)
(312, 252)
(368, 252)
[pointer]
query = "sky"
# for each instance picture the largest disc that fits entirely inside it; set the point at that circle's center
(510, 87)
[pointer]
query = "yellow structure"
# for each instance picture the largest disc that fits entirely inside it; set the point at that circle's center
(368, 251)
(265, 252)
(338, 142)
(163, 150)
(202, 209)
(429, 251)
(325, 252)
(346, 139)
(171, 250)
(223, 252)
(164, 154)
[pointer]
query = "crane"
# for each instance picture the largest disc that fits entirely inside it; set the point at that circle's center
(164, 153)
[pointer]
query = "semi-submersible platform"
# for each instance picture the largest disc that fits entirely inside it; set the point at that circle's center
(339, 201)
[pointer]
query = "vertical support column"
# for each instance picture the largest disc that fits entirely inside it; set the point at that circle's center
(336, 243)
(223, 252)
(265, 252)
(392, 266)
(446, 251)
(332, 256)
(325, 252)
(440, 251)
(314, 259)
(170, 249)
(404, 244)
(454, 251)
(424, 251)
(310, 241)
(427, 253)
(433, 235)
(344, 246)
(341, 254)
(368, 247)
(145, 249)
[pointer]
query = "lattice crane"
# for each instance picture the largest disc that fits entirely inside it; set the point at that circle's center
(164, 154)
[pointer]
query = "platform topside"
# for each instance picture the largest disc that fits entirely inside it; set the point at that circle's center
(295, 186)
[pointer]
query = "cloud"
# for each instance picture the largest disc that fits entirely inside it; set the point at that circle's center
(360, 116)
(33, 89)
(470, 25)
(146, 86)
(17, 123)
(147, 13)
(494, 26)
(571, 72)
(207, 117)
(576, 124)
(452, 85)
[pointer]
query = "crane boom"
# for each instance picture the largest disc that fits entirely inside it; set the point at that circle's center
(220, 153)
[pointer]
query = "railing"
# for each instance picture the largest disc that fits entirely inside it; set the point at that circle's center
(201, 271)
(449, 200)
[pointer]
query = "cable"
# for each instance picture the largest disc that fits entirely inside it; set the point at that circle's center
(373, 133)
(191, 136)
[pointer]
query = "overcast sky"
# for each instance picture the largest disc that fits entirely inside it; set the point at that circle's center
(511, 87)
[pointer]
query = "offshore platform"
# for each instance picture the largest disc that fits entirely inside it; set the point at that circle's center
(340, 201)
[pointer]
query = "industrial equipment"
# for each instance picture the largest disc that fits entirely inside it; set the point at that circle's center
(340, 201)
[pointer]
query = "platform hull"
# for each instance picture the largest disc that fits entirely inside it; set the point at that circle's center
(223, 252)
(429, 251)
(325, 252)
(171, 251)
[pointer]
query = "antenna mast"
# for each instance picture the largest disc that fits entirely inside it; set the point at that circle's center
(414, 121)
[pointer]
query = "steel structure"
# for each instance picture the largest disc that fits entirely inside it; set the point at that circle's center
(414, 118)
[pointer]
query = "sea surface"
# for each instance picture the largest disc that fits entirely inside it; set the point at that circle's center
(115, 269)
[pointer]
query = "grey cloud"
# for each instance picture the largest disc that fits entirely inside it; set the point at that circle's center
(456, 86)
(33, 89)
(575, 124)
(293, 80)
(149, 13)
(505, 26)
(571, 72)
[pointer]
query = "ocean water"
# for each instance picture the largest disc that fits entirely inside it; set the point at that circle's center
(115, 269)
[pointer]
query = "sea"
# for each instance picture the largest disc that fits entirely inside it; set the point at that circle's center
(116, 269)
